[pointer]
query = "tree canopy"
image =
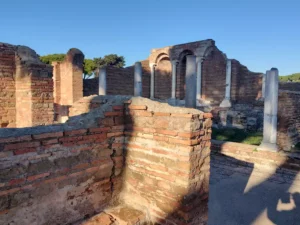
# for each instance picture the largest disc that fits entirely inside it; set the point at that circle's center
(90, 66)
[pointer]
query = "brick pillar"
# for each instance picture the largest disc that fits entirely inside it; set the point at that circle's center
(34, 90)
(167, 163)
(68, 82)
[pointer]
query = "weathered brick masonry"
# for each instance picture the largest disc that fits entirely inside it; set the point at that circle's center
(62, 173)
(27, 88)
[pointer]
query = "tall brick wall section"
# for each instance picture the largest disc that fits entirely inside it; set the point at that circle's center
(167, 163)
(62, 173)
(163, 79)
(7, 86)
(27, 93)
(246, 85)
(288, 119)
(68, 82)
(214, 77)
(120, 81)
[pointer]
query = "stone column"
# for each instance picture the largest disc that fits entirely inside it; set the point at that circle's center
(174, 67)
(138, 79)
(199, 61)
(190, 81)
(102, 81)
(226, 102)
(270, 111)
(152, 69)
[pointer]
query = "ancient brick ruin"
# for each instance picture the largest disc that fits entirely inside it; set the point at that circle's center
(127, 158)
(128, 151)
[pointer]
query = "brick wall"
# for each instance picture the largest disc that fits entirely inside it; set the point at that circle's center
(288, 119)
(249, 155)
(120, 81)
(62, 173)
(246, 86)
(163, 79)
(214, 77)
(7, 86)
(26, 96)
(289, 86)
(167, 162)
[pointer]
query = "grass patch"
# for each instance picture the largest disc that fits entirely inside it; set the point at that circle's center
(237, 135)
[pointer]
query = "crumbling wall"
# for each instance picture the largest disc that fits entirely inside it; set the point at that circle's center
(63, 173)
(27, 88)
(7, 86)
(246, 86)
(214, 77)
(288, 133)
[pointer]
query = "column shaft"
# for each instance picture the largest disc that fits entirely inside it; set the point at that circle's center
(199, 80)
(138, 79)
(174, 67)
(152, 69)
(226, 102)
(102, 81)
(190, 81)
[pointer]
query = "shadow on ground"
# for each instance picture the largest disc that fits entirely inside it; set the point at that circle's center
(242, 194)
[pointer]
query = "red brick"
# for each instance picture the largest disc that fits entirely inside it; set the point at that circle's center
(113, 113)
(115, 134)
(167, 132)
(99, 129)
(21, 145)
(161, 114)
(16, 139)
(118, 107)
(50, 142)
(184, 115)
(47, 135)
(38, 176)
(137, 107)
(16, 181)
(76, 132)
(9, 191)
(24, 151)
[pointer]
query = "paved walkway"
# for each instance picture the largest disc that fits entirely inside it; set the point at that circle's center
(242, 195)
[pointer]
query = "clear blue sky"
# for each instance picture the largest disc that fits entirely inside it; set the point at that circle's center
(259, 33)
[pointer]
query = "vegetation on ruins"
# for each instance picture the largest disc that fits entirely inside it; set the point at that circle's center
(237, 135)
(90, 66)
(290, 78)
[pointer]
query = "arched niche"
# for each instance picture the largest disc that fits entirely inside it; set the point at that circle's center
(163, 77)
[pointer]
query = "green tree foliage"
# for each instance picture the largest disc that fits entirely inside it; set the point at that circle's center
(48, 59)
(292, 78)
(90, 66)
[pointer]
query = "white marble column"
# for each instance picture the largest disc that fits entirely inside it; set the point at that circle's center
(199, 61)
(270, 112)
(190, 81)
(226, 102)
(138, 79)
(174, 68)
(102, 81)
(152, 69)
